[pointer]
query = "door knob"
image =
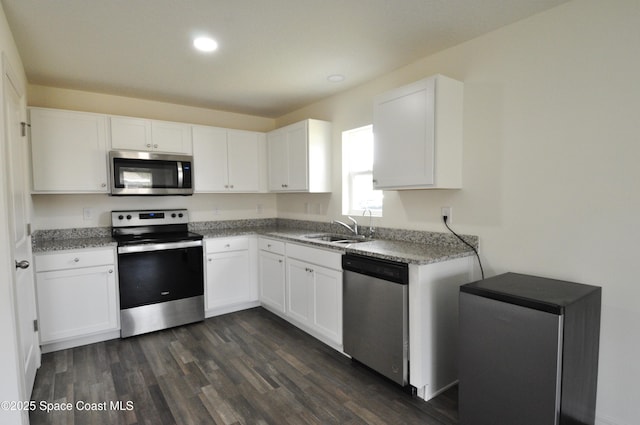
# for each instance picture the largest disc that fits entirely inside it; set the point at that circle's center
(24, 264)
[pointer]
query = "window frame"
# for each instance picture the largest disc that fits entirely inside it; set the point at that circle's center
(348, 175)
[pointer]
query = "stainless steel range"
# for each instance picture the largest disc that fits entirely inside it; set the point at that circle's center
(160, 270)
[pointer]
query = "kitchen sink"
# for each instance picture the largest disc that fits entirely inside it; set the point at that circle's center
(336, 238)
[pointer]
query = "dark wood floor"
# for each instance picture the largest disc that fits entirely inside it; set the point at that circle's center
(249, 367)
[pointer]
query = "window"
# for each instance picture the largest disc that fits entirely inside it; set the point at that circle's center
(357, 175)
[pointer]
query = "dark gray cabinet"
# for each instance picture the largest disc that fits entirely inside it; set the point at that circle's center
(528, 351)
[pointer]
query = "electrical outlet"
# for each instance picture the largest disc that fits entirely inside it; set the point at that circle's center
(259, 208)
(87, 213)
(446, 212)
(216, 211)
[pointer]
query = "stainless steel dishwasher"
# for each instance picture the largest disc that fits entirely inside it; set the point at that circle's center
(376, 315)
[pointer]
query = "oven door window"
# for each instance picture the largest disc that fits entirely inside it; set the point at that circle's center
(158, 276)
(132, 173)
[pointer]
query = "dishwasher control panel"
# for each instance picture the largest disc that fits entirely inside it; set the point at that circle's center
(376, 267)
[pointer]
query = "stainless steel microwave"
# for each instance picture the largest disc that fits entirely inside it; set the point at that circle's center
(149, 173)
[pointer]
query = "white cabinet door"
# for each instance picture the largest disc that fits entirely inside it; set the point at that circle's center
(278, 158)
(141, 134)
(130, 133)
(210, 159)
(58, 137)
(314, 299)
(272, 281)
(418, 135)
(171, 137)
(299, 291)
(226, 160)
(243, 160)
(76, 302)
(327, 298)
(228, 279)
(403, 143)
(300, 157)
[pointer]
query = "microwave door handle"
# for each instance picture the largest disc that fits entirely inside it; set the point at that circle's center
(180, 175)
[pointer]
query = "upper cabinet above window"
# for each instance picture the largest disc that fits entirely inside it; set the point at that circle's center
(418, 136)
(141, 134)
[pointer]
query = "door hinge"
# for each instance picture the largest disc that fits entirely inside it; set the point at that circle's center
(35, 325)
(24, 126)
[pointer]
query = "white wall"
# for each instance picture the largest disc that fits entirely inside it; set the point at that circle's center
(67, 211)
(551, 149)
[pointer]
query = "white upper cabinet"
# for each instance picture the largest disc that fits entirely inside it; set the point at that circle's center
(246, 160)
(210, 159)
(418, 135)
(228, 160)
(299, 157)
(141, 134)
(68, 151)
(171, 137)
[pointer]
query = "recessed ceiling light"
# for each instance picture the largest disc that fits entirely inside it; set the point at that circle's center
(336, 78)
(205, 44)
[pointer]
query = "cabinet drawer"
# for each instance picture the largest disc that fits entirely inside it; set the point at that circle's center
(321, 257)
(271, 245)
(227, 244)
(62, 260)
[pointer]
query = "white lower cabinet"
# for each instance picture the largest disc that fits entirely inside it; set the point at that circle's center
(231, 284)
(77, 297)
(272, 274)
(327, 303)
(303, 285)
(314, 292)
(299, 291)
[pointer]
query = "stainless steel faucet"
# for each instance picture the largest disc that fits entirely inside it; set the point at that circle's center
(353, 229)
(371, 229)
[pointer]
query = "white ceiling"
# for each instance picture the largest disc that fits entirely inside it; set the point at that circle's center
(274, 55)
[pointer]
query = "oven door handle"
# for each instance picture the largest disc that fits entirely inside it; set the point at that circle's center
(150, 247)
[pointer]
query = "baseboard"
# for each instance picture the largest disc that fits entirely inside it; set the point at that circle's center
(218, 311)
(606, 421)
(77, 342)
(422, 392)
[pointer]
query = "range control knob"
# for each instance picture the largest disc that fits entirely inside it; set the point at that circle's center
(173, 215)
(180, 215)
(120, 217)
(128, 216)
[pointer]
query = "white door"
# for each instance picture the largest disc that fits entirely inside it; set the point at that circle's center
(243, 160)
(278, 160)
(228, 280)
(24, 288)
(327, 290)
(210, 159)
(299, 281)
(297, 145)
(272, 280)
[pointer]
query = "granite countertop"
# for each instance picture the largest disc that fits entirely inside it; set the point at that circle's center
(48, 245)
(394, 250)
(413, 247)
